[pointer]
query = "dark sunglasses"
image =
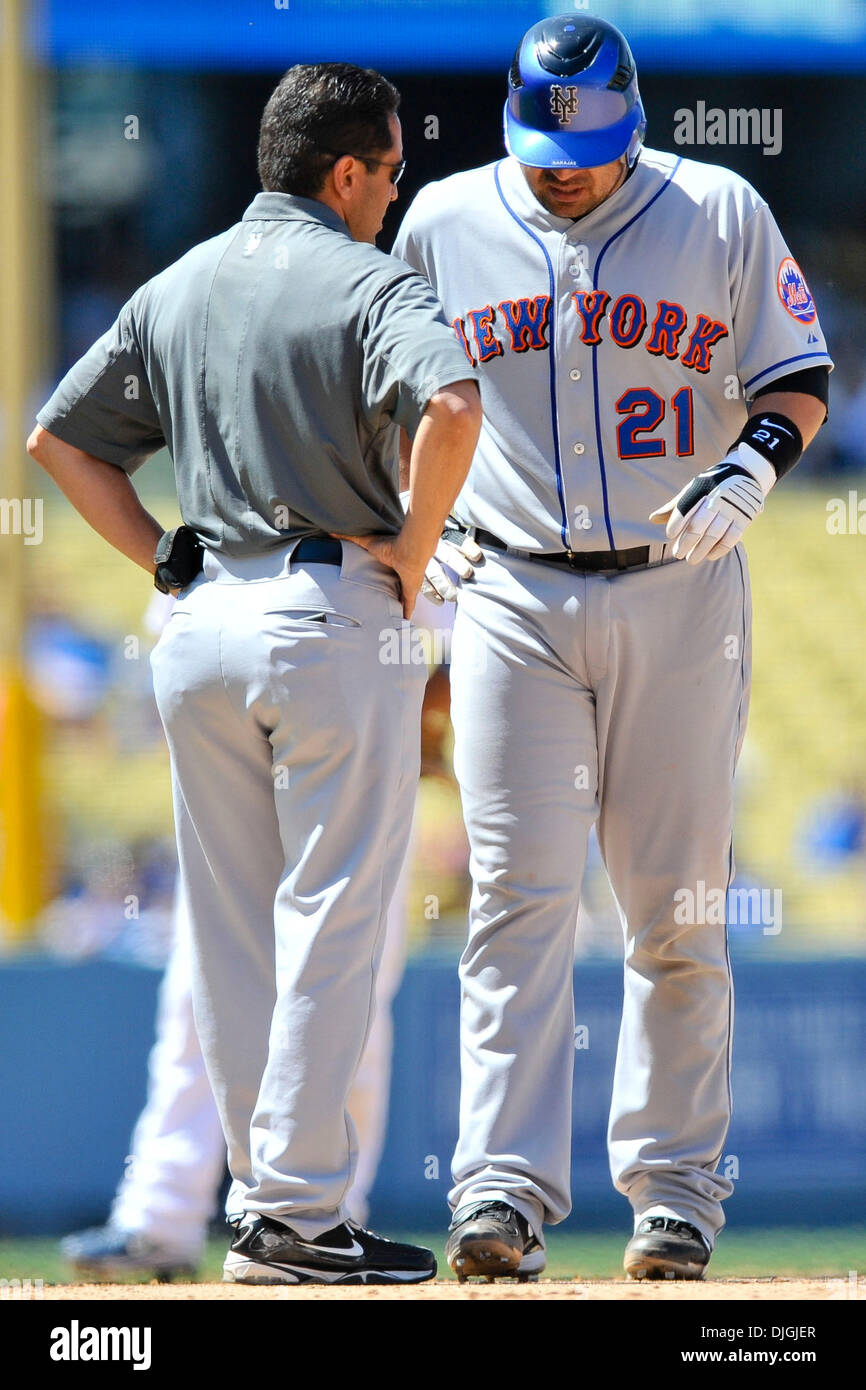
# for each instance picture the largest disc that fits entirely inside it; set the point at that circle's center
(396, 169)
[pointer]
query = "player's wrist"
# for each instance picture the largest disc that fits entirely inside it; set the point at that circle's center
(768, 445)
(745, 457)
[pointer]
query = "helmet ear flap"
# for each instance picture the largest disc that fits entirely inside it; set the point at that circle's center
(515, 77)
(634, 145)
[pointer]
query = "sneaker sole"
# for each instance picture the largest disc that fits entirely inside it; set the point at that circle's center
(655, 1268)
(481, 1257)
(238, 1270)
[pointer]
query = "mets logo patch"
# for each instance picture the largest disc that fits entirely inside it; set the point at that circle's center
(564, 102)
(794, 292)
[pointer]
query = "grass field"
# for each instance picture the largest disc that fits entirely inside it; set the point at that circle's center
(828, 1251)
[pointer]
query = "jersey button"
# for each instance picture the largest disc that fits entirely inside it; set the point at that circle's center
(579, 448)
(575, 374)
(575, 269)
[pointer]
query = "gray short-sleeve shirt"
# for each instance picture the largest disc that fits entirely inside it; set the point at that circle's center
(276, 362)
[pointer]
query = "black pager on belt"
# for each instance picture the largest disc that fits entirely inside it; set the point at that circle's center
(178, 557)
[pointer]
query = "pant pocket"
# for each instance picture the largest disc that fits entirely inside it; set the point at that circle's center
(325, 617)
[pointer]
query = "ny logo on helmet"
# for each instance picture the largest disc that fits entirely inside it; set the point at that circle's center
(563, 102)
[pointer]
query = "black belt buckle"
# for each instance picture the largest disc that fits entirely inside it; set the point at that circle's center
(586, 562)
(603, 561)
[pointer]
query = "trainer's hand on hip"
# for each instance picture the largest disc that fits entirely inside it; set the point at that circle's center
(710, 514)
(405, 561)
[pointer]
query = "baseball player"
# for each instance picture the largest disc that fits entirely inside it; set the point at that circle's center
(651, 366)
(276, 362)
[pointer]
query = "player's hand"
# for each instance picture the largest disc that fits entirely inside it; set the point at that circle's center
(457, 552)
(711, 513)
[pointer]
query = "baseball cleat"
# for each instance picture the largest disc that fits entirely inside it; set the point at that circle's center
(662, 1248)
(266, 1252)
(494, 1242)
(105, 1252)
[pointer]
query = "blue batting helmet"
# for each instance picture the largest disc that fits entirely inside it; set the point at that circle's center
(573, 101)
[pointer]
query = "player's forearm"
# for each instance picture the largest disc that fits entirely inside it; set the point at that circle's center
(102, 494)
(807, 412)
(441, 455)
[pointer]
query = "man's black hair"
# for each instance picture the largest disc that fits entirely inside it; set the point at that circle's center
(316, 113)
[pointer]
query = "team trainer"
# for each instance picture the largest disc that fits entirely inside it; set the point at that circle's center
(276, 361)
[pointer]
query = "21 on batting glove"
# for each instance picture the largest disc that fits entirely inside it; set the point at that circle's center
(456, 553)
(710, 515)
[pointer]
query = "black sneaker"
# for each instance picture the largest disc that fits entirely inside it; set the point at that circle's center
(496, 1242)
(104, 1252)
(662, 1248)
(265, 1252)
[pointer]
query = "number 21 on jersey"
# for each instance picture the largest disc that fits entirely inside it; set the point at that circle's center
(644, 411)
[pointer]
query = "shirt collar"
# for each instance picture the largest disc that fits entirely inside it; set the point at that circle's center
(286, 207)
(630, 195)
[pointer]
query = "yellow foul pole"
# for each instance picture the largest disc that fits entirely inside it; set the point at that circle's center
(22, 859)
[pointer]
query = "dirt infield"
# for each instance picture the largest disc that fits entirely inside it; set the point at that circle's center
(709, 1290)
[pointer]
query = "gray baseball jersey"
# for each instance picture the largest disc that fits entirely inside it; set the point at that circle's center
(616, 355)
(275, 361)
(616, 352)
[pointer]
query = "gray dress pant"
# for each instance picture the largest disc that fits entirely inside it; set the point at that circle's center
(295, 757)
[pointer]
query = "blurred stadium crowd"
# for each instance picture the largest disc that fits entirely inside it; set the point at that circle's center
(124, 207)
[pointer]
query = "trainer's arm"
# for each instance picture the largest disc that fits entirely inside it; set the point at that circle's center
(405, 459)
(442, 451)
(102, 493)
(439, 462)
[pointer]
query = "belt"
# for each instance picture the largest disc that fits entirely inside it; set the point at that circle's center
(318, 550)
(584, 560)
